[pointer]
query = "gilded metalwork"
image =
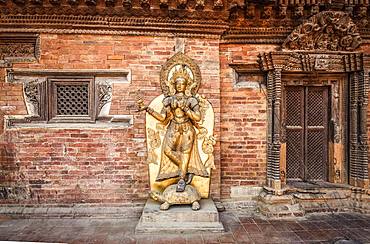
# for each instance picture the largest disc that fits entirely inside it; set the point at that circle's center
(180, 130)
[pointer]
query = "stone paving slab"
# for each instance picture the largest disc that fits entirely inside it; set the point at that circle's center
(318, 228)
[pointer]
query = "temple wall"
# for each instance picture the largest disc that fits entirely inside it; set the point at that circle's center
(60, 165)
(95, 165)
(243, 123)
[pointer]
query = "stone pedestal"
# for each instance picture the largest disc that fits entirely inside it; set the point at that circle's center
(179, 219)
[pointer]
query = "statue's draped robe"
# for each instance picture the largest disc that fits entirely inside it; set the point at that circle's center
(168, 169)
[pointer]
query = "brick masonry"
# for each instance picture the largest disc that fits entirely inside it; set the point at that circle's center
(96, 165)
(243, 122)
(108, 165)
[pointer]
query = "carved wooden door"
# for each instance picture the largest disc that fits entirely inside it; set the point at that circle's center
(306, 111)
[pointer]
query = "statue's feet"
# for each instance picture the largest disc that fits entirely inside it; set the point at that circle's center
(181, 185)
(195, 206)
(164, 206)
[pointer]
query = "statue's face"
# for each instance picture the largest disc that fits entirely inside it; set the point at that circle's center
(180, 84)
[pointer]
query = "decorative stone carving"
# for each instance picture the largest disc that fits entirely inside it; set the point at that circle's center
(31, 91)
(331, 31)
(362, 14)
(311, 61)
(19, 47)
(17, 50)
(179, 125)
(104, 94)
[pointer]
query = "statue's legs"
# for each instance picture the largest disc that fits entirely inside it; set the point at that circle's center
(178, 150)
(185, 147)
(184, 165)
(170, 151)
(173, 155)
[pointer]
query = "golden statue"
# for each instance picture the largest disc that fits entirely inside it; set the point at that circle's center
(173, 138)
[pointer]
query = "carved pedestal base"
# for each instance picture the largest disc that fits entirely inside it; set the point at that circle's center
(179, 219)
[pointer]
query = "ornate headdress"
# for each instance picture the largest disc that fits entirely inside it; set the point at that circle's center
(178, 66)
(181, 72)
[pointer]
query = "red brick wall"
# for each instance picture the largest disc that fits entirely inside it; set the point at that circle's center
(243, 122)
(98, 165)
(108, 165)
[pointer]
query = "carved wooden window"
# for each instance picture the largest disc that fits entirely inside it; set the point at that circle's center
(71, 100)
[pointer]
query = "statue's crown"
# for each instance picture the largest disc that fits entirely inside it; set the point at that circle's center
(181, 72)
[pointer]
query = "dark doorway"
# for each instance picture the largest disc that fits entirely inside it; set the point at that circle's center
(307, 110)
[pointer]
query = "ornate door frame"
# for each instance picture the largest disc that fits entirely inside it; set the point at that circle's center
(293, 62)
(326, 43)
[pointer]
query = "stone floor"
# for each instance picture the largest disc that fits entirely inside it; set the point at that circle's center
(322, 228)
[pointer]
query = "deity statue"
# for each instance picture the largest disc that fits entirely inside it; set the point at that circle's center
(179, 135)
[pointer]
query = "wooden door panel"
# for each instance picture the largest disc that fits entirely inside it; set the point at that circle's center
(294, 110)
(306, 118)
(316, 133)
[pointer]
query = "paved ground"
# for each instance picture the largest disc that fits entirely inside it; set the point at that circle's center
(323, 228)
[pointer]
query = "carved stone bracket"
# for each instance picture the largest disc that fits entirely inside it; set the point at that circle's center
(32, 93)
(104, 90)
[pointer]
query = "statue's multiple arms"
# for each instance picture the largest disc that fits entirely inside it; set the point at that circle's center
(156, 115)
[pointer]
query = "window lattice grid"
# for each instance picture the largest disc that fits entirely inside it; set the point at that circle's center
(72, 99)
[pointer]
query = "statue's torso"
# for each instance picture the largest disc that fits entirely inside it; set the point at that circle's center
(176, 105)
